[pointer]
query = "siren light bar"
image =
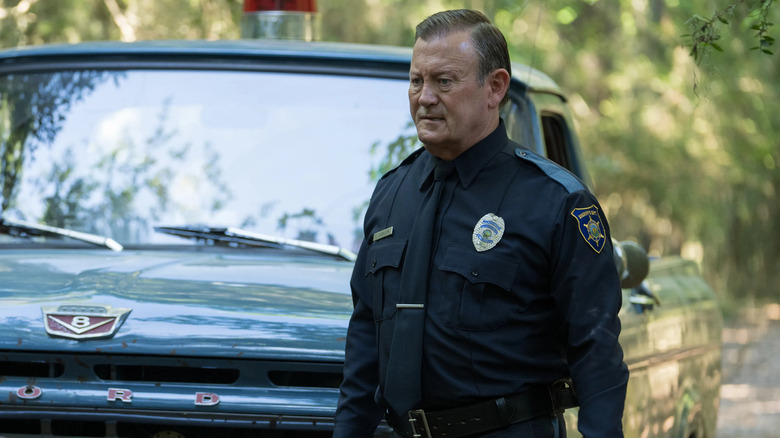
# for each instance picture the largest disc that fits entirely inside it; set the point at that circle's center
(279, 19)
(280, 5)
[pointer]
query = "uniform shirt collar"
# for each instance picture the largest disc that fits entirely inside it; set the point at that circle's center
(469, 163)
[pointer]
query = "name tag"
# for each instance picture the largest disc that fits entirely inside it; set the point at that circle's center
(379, 235)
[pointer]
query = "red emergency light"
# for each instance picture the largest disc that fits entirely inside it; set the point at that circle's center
(280, 5)
(279, 19)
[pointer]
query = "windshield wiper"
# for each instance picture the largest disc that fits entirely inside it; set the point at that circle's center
(23, 228)
(244, 237)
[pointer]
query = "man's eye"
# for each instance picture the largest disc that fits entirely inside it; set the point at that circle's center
(416, 82)
(444, 81)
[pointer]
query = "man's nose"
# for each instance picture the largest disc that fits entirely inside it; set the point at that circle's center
(428, 96)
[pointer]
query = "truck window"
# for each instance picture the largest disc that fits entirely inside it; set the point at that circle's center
(554, 131)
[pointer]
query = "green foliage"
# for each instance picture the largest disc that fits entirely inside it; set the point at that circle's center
(681, 170)
(705, 32)
(27, 22)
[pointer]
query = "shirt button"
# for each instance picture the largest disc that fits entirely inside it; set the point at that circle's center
(475, 272)
(373, 264)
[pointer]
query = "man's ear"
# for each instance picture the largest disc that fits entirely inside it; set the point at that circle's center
(498, 85)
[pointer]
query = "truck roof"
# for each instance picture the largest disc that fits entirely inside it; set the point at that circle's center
(524, 75)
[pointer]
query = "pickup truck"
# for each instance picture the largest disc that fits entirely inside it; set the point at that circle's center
(178, 223)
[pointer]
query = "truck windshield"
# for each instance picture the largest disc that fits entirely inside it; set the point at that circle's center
(116, 153)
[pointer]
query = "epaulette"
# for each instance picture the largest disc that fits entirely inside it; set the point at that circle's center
(568, 180)
(413, 156)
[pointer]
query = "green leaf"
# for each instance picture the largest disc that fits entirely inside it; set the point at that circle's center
(767, 51)
(717, 47)
(723, 20)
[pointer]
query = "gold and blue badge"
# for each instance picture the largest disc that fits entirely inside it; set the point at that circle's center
(590, 225)
(487, 232)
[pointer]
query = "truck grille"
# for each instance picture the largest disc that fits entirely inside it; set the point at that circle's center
(83, 395)
(84, 429)
(31, 369)
(171, 370)
(147, 373)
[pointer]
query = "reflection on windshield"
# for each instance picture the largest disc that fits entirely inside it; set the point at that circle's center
(117, 153)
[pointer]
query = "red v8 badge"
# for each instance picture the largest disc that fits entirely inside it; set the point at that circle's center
(83, 322)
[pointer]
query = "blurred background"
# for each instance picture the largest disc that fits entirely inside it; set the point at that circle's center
(676, 110)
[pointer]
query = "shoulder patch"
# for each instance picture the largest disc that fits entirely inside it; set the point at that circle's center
(562, 176)
(590, 226)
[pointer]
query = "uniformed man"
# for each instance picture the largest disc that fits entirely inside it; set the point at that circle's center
(485, 292)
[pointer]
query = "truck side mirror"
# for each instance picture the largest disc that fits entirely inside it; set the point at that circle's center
(632, 263)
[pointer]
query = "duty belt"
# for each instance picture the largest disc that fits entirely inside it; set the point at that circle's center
(494, 414)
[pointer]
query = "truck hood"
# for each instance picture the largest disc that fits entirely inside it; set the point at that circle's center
(229, 304)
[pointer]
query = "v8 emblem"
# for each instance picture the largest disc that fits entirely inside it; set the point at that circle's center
(83, 322)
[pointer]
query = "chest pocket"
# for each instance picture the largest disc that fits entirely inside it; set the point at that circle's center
(383, 260)
(481, 285)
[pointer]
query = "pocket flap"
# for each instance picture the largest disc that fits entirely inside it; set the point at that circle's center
(383, 254)
(480, 267)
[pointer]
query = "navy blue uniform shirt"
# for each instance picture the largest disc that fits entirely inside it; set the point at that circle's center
(539, 305)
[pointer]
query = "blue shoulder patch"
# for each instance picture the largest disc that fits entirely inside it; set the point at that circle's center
(562, 176)
(591, 228)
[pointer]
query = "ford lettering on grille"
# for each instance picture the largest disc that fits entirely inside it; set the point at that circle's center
(32, 392)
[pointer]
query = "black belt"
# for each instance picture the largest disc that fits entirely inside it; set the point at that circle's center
(494, 414)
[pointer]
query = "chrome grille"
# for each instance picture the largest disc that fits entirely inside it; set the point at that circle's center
(155, 369)
(89, 429)
(83, 395)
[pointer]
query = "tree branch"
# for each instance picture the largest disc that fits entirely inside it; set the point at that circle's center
(705, 33)
(125, 28)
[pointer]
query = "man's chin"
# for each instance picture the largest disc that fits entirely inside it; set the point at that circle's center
(429, 138)
(437, 149)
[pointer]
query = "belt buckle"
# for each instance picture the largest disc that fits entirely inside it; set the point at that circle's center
(419, 424)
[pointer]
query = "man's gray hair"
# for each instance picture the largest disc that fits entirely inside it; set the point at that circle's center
(489, 42)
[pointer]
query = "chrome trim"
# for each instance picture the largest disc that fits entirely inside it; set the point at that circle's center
(409, 306)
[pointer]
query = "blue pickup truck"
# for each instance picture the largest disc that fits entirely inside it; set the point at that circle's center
(178, 223)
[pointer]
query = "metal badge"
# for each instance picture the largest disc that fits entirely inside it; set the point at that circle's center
(487, 232)
(83, 322)
(591, 228)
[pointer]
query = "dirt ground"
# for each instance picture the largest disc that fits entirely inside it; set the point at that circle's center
(750, 395)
